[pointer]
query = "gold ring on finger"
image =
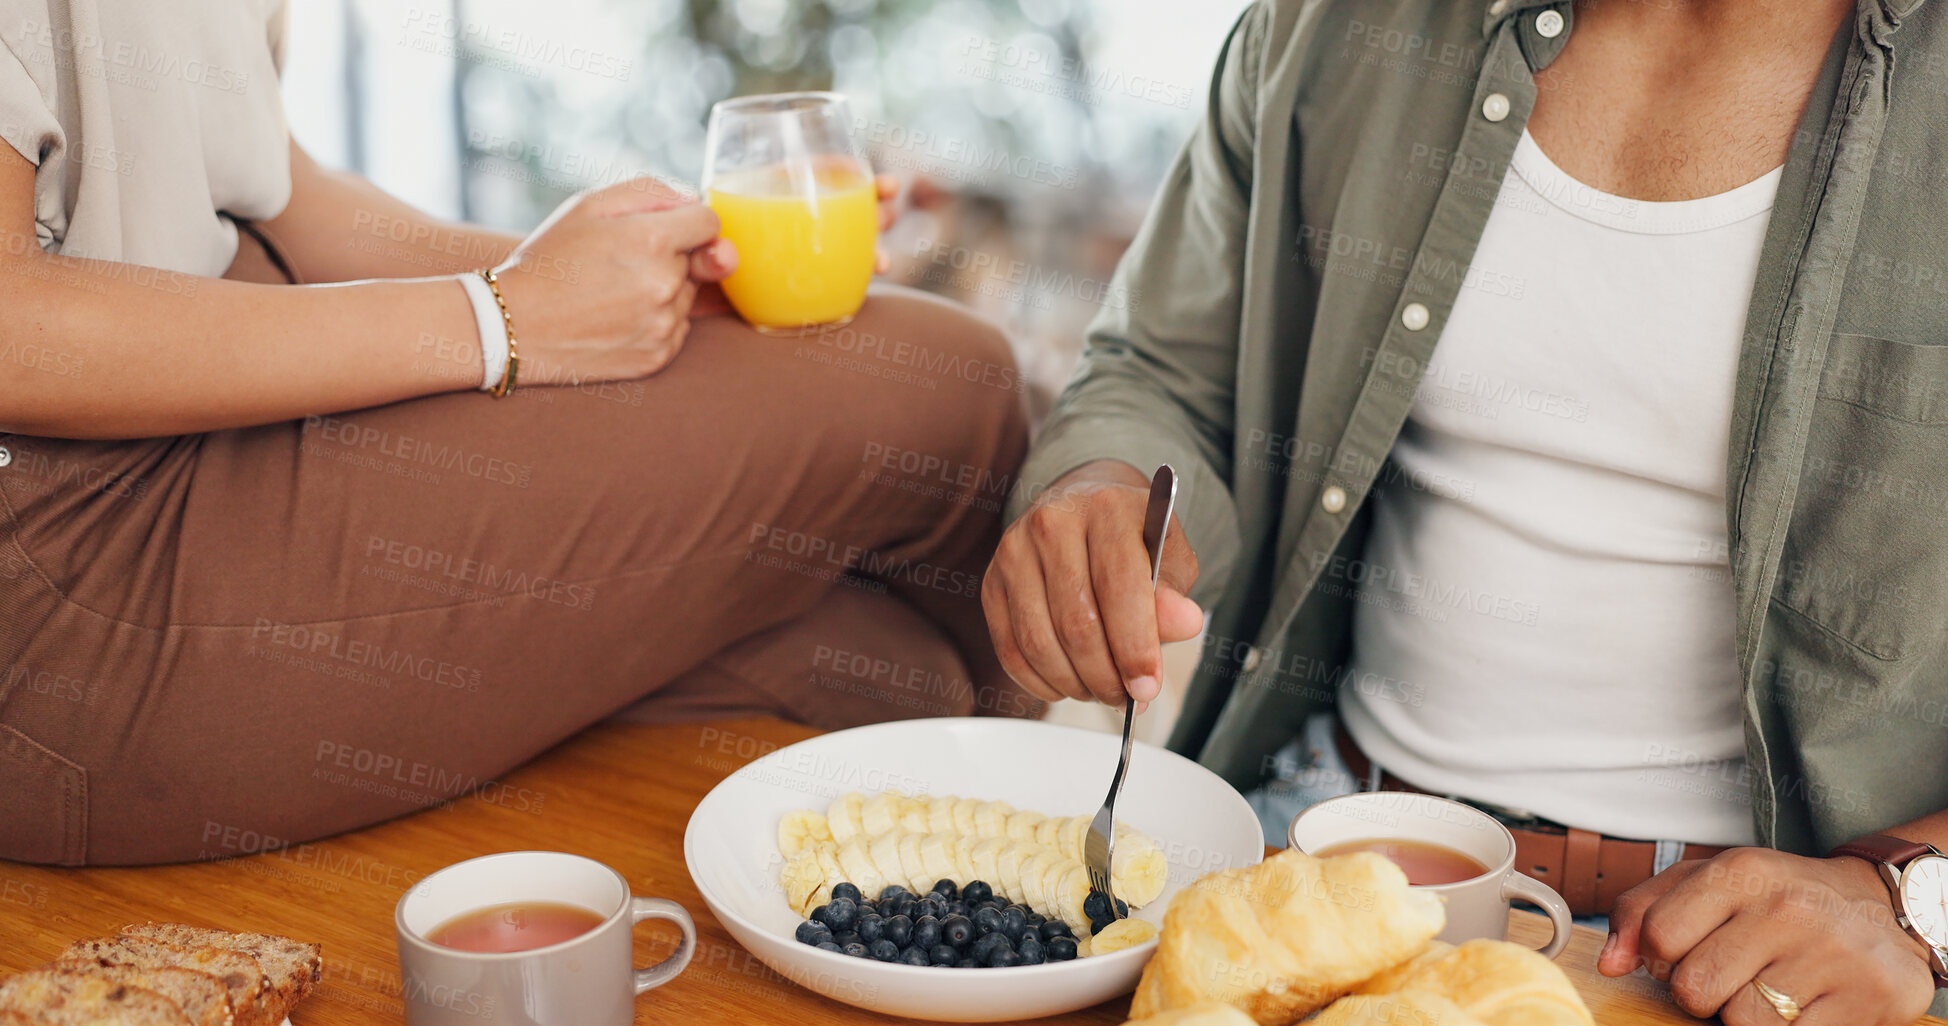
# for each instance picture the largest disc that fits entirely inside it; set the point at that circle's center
(1787, 1008)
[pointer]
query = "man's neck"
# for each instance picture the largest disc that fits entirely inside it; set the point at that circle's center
(1682, 98)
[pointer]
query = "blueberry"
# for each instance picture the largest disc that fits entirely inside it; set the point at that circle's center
(829, 946)
(956, 908)
(891, 891)
(1001, 958)
(899, 930)
(987, 945)
(1014, 922)
(856, 950)
(1031, 951)
(1096, 906)
(848, 937)
(942, 954)
(916, 956)
(1060, 949)
(946, 890)
(1052, 929)
(849, 892)
(966, 963)
(813, 933)
(1035, 920)
(956, 930)
(928, 907)
(976, 892)
(1122, 909)
(839, 914)
(986, 920)
(870, 927)
(926, 931)
(884, 950)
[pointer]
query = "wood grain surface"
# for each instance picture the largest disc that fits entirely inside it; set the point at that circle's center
(618, 793)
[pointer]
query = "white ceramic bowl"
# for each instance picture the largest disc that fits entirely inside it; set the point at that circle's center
(731, 846)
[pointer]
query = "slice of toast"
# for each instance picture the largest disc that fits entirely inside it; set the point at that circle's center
(200, 995)
(77, 997)
(291, 968)
(242, 978)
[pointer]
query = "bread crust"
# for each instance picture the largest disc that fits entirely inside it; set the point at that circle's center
(291, 968)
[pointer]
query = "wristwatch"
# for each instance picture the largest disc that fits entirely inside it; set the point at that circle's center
(1917, 874)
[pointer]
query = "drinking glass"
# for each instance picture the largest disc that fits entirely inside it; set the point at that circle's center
(795, 194)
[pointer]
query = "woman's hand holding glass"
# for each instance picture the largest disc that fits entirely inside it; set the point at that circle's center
(604, 289)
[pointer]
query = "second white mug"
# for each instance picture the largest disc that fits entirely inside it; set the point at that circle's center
(1476, 907)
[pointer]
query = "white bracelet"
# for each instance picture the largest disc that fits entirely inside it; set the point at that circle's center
(493, 330)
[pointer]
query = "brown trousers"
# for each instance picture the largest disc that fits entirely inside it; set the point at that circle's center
(290, 631)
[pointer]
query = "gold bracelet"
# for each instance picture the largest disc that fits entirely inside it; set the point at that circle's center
(513, 352)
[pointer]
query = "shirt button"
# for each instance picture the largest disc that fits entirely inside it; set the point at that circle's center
(1333, 499)
(1414, 316)
(6, 458)
(1495, 107)
(1548, 24)
(1251, 658)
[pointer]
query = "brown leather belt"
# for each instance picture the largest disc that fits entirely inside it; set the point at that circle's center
(1590, 870)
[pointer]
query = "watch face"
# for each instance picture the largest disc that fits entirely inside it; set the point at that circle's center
(1924, 892)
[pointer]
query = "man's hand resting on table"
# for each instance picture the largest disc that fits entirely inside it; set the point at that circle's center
(1820, 931)
(1068, 594)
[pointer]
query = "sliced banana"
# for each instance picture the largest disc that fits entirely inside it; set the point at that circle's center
(1007, 869)
(917, 873)
(881, 813)
(885, 850)
(1048, 833)
(827, 854)
(985, 856)
(1123, 933)
(1034, 874)
(1022, 823)
(991, 819)
(937, 857)
(1070, 893)
(842, 817)
(913, 816)
(1075, 836)
(1138, 877)
(859, 868)
(964, 816)
(940, 814)
(798, 830)
(964, 872)
(801, 877)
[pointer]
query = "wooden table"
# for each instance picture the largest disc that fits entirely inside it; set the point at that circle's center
(618, 793)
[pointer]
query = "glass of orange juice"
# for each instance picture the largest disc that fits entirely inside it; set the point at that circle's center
(795, 195)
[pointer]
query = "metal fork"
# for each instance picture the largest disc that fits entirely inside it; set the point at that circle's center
(1100, 846)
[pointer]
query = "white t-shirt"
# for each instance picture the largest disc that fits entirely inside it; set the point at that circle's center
(147, 123)
(1545, 600)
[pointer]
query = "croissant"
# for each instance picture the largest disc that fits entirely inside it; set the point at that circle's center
(1210, 1013)
(1406, 1008)
(1498, 983)
(1283, 938)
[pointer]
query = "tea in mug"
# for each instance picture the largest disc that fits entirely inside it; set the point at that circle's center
(517, 926)
(1426, 865)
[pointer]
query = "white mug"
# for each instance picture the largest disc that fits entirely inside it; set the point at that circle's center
(1476, 907)
(584, 981)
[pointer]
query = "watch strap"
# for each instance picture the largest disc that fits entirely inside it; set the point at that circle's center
(1882, 849)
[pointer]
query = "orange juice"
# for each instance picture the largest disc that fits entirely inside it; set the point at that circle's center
(804, 239)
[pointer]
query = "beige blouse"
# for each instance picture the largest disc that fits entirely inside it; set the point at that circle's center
(150, 124)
